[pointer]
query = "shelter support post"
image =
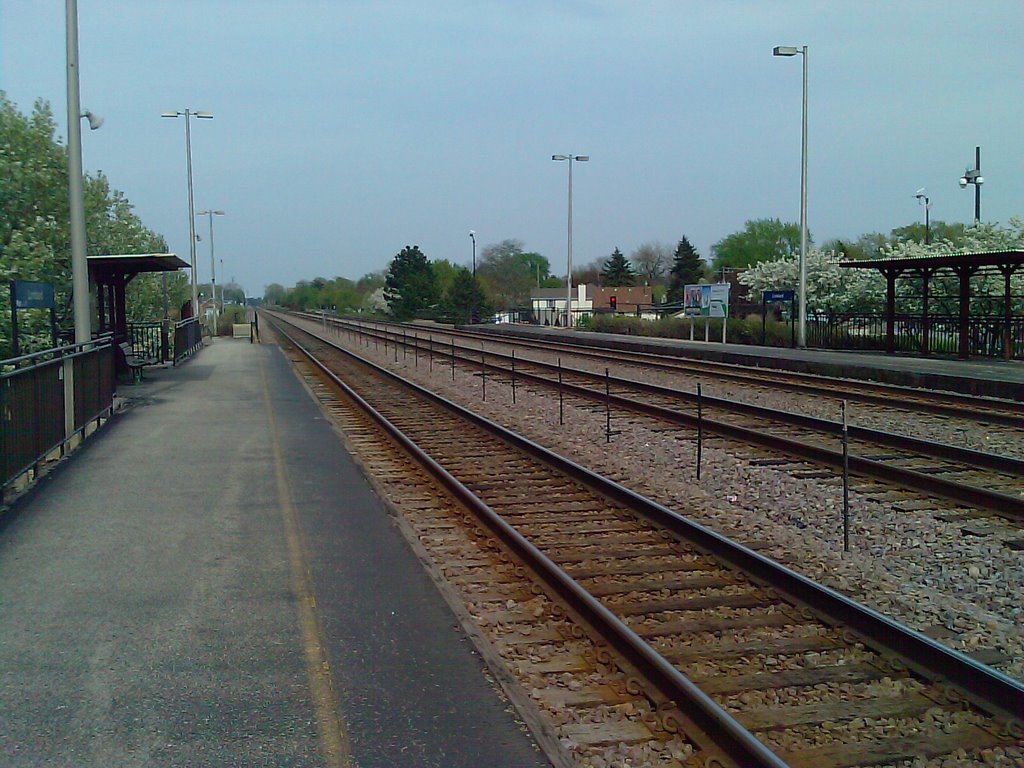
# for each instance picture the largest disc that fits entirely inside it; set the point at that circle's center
(964, 273)
(926, 276)
(890, 310)
(1007, 272)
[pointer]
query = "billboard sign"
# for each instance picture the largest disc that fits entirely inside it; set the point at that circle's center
(715, 300)
(692, 300)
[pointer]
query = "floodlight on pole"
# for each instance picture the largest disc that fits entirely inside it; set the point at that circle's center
(792, 50)
(213, 271)
(922, 198)
(973, 176)
(568, 272)
(188, 115)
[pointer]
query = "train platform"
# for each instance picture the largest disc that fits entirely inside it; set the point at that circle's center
(211, 581)
(981, 376)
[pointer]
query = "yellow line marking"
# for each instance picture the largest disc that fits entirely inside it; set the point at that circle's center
(330, 729)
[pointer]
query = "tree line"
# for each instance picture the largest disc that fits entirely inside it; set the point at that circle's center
(35, 238)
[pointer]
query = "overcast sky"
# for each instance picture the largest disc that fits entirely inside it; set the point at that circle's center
(344, 131)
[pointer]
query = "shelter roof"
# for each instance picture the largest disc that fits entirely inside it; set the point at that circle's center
(133, 263)
(1003, 258)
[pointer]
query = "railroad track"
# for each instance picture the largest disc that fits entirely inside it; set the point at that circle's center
(754, 664)
(929, 403)
(961, 476)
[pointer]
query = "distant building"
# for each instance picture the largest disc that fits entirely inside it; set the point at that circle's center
(548, 304)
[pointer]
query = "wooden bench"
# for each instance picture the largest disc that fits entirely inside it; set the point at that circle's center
(134, 363)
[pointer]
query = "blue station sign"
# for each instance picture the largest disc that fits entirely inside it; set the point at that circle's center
(29, 294)
(769, 296)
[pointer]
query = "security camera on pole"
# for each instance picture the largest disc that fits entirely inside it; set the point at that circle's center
(974, 177)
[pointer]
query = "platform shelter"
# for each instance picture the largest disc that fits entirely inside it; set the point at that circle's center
(965, 266)
(110, 274)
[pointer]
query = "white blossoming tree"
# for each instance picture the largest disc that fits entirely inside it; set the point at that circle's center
(834, 290)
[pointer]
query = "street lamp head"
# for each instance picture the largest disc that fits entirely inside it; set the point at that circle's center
(203, 114)
(785, 50)
(560, 157)
(963, 182)
(95, 121)
(979, 180)
(582, 158)
(170, 114)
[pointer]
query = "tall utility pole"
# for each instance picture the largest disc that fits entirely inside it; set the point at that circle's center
(213, 270)
(188, 114)
(76, 198)
(568, 271)
(792, 50)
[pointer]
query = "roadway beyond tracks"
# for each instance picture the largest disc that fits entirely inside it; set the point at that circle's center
(653, 575)
(211, 582)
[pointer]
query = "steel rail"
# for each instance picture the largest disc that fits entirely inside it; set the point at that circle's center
(712, 727)
(989, 689)
(1003, 504)
(931, 402)
(980, 459)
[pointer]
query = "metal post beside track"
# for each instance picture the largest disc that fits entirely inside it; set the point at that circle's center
(700, 430)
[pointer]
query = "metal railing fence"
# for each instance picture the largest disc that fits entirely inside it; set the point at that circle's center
(188, 338)
(48, 398)
(148, 340)
(868, 331)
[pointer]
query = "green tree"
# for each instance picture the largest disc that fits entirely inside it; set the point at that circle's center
(465, 297)
(617, 271)
(409, 287)
(509, 274)
(34, 225)
(760, 240)
(687, 269)
(274, 294)
(444, 275)
(953, 233)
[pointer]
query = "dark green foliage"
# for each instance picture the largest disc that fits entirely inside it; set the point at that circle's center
(409, 287)
(687, 269)
(465, 297)
(35, 241)
(509, 274)
(760, 240)
(617, 271)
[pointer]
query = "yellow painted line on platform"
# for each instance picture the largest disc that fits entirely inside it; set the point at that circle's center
(330, 728)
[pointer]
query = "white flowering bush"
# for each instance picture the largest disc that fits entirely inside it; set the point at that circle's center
(834, 290)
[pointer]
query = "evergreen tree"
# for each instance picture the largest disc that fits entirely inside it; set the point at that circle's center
(687, 269)
(617, 271)
(410, 286)
(465, 298)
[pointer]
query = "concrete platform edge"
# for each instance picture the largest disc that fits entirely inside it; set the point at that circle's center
(547, 740)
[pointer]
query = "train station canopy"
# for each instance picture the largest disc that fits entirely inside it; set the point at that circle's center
(964, 265)
(111, 273)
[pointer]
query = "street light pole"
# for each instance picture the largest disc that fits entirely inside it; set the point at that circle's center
(568, 271)
(188, 114)
(923, 199)
(213, 271)
(472, 236)
(76, 196)
(974, 177)
(789, 50)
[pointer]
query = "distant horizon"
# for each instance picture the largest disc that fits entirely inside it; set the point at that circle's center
(342, 133)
